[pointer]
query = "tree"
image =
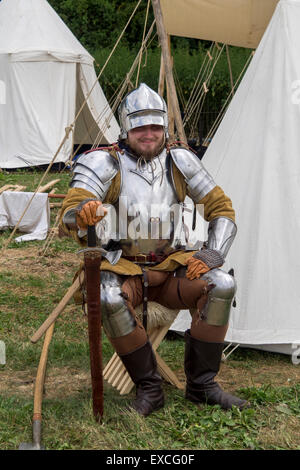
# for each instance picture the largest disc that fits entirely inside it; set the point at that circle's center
(98, 23)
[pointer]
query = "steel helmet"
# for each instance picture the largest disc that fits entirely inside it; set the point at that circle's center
(141, 107)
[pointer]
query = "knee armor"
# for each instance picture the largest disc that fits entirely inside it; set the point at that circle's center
(116, 319)
(217, 309)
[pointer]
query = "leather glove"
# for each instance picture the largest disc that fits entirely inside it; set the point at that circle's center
(89, 212)
(202, 262)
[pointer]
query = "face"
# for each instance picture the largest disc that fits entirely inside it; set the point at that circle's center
(146, 140)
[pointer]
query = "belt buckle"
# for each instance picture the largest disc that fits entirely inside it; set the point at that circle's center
(141, 254)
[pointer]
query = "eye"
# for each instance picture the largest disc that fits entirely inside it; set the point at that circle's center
(156, 127)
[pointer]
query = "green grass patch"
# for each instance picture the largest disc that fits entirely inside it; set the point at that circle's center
(31, 179)
(31, 285)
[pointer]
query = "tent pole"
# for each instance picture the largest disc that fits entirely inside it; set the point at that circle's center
(169, 100)
(161, 80)
(168, 68)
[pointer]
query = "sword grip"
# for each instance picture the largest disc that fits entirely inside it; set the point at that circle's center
(91, 236)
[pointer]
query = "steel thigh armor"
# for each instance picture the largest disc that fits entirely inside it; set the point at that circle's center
(217, 309)
(116, 318)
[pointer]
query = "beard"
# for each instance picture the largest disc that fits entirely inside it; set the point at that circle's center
(147, 154)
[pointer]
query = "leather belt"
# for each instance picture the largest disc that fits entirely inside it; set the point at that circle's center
(150, 258)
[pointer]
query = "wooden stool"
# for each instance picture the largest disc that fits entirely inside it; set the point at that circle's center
(159, 321)
(115, 372)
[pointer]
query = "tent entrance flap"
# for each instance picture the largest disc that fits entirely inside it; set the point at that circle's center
(38, 108)
(96, 123)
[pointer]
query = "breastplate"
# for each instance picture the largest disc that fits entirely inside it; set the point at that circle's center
(148, 214)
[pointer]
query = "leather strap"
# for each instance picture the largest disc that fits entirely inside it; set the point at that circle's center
(145, 298)
(151, 258)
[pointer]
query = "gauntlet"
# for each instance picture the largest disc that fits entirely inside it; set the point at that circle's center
(202, 262)
(89, 212)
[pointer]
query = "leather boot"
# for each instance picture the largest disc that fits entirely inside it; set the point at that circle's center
(202, 363)
(142, 367)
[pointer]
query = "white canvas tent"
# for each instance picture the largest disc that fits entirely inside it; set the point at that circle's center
(45, 75)
(255, 157)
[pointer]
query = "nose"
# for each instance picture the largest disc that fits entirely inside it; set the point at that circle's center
(148, 131)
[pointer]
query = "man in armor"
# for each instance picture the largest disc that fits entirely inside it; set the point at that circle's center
(143, 181)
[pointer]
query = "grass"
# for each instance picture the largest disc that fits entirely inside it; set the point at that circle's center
(32, 284)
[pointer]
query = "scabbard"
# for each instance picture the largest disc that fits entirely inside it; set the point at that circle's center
(92, 261)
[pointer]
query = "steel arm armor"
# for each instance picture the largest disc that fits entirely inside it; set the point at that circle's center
(199, 181)
(221, 233)
(221, 230)
(94, 172)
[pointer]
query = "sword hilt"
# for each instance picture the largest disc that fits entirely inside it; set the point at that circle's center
(91, 236)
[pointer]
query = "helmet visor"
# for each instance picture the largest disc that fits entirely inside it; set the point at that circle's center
(145, 118)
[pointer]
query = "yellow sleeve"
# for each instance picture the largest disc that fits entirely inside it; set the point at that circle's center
(217, 204)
